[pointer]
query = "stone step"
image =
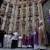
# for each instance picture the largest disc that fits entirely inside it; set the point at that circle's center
(16, 49)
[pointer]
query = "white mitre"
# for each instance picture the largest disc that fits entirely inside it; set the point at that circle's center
(15, 33)
(5, 35)
(34, 32)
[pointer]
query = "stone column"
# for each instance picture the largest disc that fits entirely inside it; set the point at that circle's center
(15, 17)
(40, 18)
(4, 19)
(33, 18)
(27, 23)
(21, 17)
(11, 21)
(11, 24)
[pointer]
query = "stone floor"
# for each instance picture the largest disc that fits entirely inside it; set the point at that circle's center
(16, 49)
(21, 49)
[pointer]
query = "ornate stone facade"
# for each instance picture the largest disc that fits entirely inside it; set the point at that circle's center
(21, 15)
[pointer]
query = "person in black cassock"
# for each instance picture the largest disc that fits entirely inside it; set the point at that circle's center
(14, 40)
(2, 32)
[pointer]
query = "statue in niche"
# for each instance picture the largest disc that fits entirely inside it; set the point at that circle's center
(23, 24)
(30, 29)
(9, 16)
(7, 26)
(36, 10)
(30, 12)
(7, 23)
(10, 8)
(30, 9)
(30, 22)
(18, 14)
(29, 18)
(30, 25)
(17, 23)
(18, 11)
(24, 10)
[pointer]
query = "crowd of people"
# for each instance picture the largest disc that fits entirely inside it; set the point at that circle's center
(14, 40)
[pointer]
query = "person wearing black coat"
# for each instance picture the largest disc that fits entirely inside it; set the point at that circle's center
(2, 32)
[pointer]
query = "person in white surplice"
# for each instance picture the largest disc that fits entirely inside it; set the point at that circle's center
(20, 41)
(7, 41)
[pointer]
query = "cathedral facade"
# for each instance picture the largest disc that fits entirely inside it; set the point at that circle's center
(23, 16)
